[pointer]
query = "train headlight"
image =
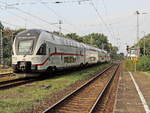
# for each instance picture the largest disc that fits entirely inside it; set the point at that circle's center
(36, 60)
(34, 67)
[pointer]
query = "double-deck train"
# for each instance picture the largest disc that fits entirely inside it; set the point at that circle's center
(39, 50)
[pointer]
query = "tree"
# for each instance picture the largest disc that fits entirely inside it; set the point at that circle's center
(144, 41)
(100, 41)
(57, 33)
(8, 37)
(7, 45)
(96, 39)
(74, 36)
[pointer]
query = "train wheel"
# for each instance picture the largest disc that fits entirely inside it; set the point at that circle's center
(16, 71)
(81, 66)
(49, 70)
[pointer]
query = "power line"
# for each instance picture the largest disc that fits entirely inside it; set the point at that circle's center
(47, 2)
(43, 20)
(11, 24)
(104, 6)
(59, 16)
(34, 16)
(78, 1)
(20, 17)
(101, 18)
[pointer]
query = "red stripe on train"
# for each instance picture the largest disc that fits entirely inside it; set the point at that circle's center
(70, 54)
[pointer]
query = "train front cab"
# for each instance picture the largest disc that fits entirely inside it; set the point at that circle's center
(25, 54)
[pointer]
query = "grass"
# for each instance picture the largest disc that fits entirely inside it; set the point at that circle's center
(147, 72)
(28, 96)
(128, 65)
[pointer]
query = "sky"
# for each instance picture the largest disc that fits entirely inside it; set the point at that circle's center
(115, 18)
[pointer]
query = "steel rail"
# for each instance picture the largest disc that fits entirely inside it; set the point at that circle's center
(76, 90)
(104, 90)
(6, 74)
(14, 83)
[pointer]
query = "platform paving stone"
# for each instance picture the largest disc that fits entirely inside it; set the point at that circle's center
(127, 100)
(143, 81)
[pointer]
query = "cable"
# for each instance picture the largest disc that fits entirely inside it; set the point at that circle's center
(20, 17)
(11, 24)
(34, 16)
(101, 18)
(104, 6)
(47, 2)
(59, 16)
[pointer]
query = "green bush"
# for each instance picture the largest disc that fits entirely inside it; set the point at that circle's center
(143, 64)
(7, 62)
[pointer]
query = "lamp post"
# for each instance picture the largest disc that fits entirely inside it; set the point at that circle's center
(138, 46)
(60, 27)
(144, 42)
(1, 44)
(138, 50)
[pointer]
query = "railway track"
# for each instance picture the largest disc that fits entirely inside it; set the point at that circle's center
(22, 80)
(6, 74)
(85, 98)
(16, 82)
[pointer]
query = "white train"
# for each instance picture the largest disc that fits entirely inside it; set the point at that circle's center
(38, 50)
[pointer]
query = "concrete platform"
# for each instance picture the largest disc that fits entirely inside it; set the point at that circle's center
(128, 99)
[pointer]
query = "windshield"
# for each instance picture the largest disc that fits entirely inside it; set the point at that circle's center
(25, 42)
(25, 46)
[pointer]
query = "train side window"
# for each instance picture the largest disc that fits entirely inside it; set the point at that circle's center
(80, 52)
(49, 50)
(61, 57)
(42, 50)
(55, 50)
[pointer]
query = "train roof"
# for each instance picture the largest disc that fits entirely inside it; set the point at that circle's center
(29, 32)
(57, 39)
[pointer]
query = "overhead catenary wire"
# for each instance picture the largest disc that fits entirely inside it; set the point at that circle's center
(14, 25)
(58, 15)
(43, 20)
(105, 7)
(20, 17)
(47, 2)
(24, 19)
(101, 19)
(36, 17)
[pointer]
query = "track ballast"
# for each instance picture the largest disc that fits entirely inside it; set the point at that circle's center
(85, 98)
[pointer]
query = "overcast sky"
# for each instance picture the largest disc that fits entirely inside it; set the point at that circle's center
(114, 18)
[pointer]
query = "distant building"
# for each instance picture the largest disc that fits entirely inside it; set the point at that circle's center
(133, 53)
